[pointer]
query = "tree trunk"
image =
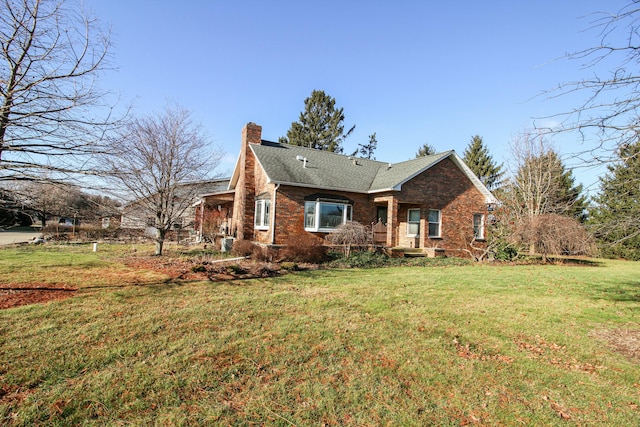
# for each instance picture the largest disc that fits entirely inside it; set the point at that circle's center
(159, 240)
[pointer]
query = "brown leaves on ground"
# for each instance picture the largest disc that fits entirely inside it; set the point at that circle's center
(473, 352)
(174, 268)
(553, 354)
(17, 294)
(623, 340)
(218, 270)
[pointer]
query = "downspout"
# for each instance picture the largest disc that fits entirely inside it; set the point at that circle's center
(273, 215)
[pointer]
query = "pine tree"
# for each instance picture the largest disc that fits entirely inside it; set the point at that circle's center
(616, 216)
(547, 187)
(320, 125)
(366, 150)
(477, 157)
(425, 150)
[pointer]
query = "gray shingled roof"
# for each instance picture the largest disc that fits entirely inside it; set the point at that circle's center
(282, 164)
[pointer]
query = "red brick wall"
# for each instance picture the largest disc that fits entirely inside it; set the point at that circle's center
(446, 188)
(290, 212)
(245, 187)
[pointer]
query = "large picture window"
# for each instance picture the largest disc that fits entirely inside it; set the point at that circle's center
(434, 223)
(413, 222)
(325, 216)
(262, 214)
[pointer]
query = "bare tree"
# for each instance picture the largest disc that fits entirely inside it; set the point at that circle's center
(607, 116)
(52, 116)
(161, 162)
(540, 185)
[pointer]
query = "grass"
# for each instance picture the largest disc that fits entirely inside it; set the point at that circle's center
(448, 346)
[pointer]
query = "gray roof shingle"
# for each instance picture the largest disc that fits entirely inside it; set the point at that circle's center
(285, 164)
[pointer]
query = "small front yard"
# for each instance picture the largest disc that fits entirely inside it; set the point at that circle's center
(148, 341)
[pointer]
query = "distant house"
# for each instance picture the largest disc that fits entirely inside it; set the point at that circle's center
(280, 192)
(137, 215)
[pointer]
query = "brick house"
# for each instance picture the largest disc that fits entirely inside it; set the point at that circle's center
(281, 192)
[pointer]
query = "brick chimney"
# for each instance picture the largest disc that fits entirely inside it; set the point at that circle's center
(245, 188)
(251, 133)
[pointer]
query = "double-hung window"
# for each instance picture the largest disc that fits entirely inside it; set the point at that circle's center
(326, 215)
(478, 226)
(262, 214)
(434, 219)
(413, 222)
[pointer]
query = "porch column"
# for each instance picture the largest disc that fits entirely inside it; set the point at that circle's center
(392, 222)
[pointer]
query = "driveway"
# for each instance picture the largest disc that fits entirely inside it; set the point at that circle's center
(9, 237)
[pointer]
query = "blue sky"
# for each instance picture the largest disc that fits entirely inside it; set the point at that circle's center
(414, 72)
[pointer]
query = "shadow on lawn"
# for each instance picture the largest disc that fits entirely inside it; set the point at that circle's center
(628, 291)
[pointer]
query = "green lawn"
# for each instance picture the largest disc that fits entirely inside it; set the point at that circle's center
(466, 345)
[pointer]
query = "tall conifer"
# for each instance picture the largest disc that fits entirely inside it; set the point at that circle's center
(477, 157)
(616, 216)
(320, 125)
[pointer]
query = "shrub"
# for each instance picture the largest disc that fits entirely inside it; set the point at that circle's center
(289, 266)
(262, 253)
(351, 234)
(365, 259)
(304, 249)
(198, 268)
(242, 248)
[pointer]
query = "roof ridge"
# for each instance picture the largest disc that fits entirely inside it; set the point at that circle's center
(435, 156)
(316, 150)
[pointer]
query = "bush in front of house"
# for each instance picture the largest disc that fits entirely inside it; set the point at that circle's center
(351, 235)
(242, 248)
(304, 249)
(365, 259)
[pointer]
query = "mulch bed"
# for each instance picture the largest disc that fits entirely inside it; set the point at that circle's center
(17, 294)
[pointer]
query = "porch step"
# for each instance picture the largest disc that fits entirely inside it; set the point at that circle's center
(416, 252)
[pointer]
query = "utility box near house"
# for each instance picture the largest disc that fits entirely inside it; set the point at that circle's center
(226, 244)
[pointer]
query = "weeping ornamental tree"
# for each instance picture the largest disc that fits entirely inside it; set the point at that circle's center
(160, 162)
(320, 125)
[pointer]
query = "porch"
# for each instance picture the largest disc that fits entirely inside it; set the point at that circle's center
(402, 228)
(380, 230)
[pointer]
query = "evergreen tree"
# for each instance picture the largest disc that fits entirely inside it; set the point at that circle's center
(366, 150)
(477, 157)
(320, 125)
(425, 150)
(616, 216)
(548, 187)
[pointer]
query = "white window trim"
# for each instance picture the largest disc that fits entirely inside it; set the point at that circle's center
(409, 222)
(439, 235)
(262, 221)
(481, 227)
(347, 215)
